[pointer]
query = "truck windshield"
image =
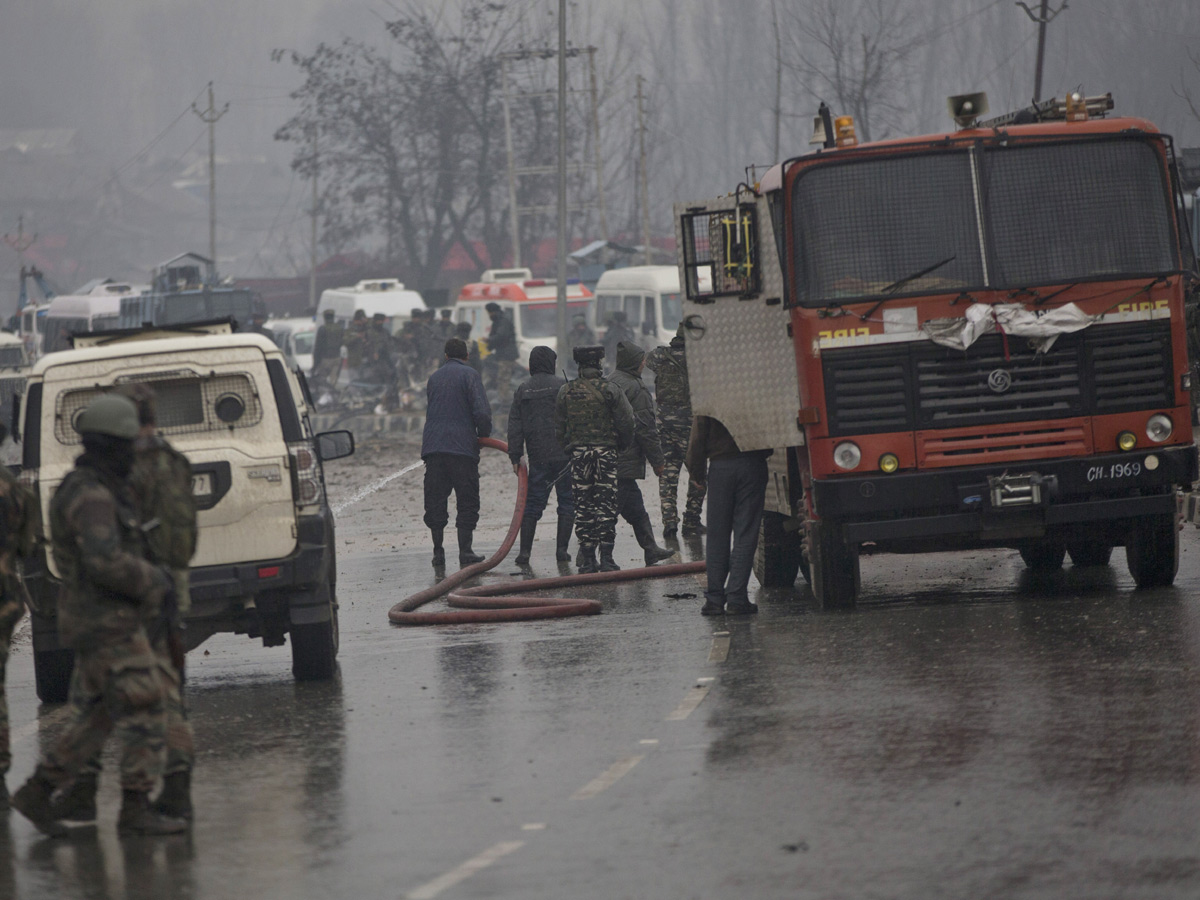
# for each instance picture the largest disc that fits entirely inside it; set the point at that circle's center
(540, 320)
(1050, 213)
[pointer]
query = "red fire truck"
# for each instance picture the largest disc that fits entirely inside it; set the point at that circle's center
(963, 340)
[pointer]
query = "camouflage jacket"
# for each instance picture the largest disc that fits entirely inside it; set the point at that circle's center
(18, 534)
(592, 411)
(671, 391)
(161, 484)
(108, 586)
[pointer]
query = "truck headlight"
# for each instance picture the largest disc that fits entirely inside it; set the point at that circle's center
(847, 455)
(1159, 427)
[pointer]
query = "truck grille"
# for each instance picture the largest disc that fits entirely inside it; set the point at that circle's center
(920, 385)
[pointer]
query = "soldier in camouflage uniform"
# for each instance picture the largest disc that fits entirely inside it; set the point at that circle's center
(592, 420)
(161, 484)
(109, 591)
(674, 398)
(18, 534)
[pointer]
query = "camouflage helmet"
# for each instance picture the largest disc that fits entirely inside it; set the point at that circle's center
(109, 414)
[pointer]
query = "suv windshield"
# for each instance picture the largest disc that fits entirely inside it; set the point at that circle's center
(1050, 213)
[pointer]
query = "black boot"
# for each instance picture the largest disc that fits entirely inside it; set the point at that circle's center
(644, 532)
(466, 556)
(528, 528)
(693, 529)
(439, 552)
(585, 561)
(565, 526)
(32, 800)
(607, 564)
(175, 799)
(670, 532)
(137, 818)
(76, 803)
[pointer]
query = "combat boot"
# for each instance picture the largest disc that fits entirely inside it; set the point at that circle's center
(644, 532)
(565, 526)
(528, 528)
(439, 552)
(466, 556)
(671, 532)
(76, 803)
(175, 799)
(32, 800)
(585, 561)
(607, 564)
(137, 818)
(693, 528)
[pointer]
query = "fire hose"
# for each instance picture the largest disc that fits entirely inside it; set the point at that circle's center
(495, 602)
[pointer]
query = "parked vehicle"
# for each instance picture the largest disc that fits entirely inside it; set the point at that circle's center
(374, 295)
(648, 295)
(99, 309)
(954, 341)
(295, 338)
(265, 564)
(186, 289)
(14, 363)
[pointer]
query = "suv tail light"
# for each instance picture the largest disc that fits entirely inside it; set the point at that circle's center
(306, 473)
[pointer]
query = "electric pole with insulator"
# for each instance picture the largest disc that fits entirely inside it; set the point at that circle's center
(210, 117)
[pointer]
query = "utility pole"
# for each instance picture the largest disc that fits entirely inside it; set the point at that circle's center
(591, 51)
(1042, 17)
(514, 215)
(21, 243)
(645, 182)
(210, 117)
(562, 178)
(312, 268)
(778, 80)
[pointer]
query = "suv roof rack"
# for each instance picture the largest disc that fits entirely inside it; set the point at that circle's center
(1052, 110)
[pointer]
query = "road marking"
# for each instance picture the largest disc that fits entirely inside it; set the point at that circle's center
(49, 720)
(648, 741)
(607, 778)
(534, 826)
(693, 699)
(719, 651)
(431, 889)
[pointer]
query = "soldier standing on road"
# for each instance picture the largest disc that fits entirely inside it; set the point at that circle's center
(109, 591)
(618, 332)
(579, 336)
(502, 342)
(18, 534)
(327, 349)
(531, 428)
(592, 419)
(737, 485)
(631, 464)
(356, 340)
(457, 415)
(445, 325)
(462, 331)
(673, 397)
(257, 326)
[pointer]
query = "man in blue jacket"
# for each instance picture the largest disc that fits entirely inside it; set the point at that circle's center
(457, 414)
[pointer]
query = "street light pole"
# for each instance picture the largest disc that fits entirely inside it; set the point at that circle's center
(562, 178)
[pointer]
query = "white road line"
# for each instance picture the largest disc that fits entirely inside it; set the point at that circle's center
(29, 729)
(431, 889)
(648, 741)
(720, 649)
(534, 826)
(608, 777)
(693, 699)
(363, 493)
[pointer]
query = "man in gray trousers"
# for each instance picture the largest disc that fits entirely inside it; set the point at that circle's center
(737, 485)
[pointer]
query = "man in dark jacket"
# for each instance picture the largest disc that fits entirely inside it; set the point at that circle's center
(457, 415)
(737, 485)
(631, 463)
(502, 343)
(579, 336)
(327, 350)
(462, 331)
(531, 429)
(618, 332)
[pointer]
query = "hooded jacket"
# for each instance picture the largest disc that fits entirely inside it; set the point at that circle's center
(457, 412)
(631, 463)
(531, 418)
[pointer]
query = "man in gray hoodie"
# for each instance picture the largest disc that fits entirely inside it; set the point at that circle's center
(631, 463)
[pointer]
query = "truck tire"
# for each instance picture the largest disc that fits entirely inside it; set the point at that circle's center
(1152, 550)
(315, 647)
(834, 567)
(1044, 556)
(1090, 554)
(52, 674)
(780, 553)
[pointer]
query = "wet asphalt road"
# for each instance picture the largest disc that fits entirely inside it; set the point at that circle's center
(969, 731)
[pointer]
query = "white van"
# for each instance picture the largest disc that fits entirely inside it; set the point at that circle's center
(375, 295)
(532, 303)
(265, 562)
(14, 364)
(296, 338)
(70, 314)
(648, 295)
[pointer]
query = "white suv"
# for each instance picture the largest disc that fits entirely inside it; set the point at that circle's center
(265, 560)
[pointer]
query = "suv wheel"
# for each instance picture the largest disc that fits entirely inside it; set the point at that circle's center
(315, 647)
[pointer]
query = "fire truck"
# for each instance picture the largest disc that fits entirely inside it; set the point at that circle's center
(965, 340)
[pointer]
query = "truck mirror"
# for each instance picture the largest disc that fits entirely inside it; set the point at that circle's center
(335, 445)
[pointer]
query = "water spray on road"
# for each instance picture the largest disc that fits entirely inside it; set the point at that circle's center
(376, 486)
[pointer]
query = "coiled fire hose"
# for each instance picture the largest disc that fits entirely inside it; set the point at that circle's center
(495, 602)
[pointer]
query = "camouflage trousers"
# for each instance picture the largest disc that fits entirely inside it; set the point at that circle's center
(181, 742)
(117, 687)
(674, 440)
(594, 486)
(10, 614)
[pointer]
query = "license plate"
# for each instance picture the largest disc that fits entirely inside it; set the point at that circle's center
(202, 484)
